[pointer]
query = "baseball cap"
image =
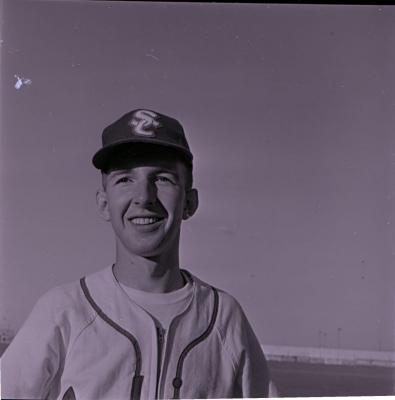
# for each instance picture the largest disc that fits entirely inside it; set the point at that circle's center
(142, 127)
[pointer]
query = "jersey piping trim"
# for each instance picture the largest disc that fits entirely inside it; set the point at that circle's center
(137, 379)
(177, 381)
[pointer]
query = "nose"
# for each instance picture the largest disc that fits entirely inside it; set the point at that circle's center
(145, 193)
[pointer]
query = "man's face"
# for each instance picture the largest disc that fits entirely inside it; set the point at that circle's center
(145, 201)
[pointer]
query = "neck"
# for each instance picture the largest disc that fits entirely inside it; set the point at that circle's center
(151, 274)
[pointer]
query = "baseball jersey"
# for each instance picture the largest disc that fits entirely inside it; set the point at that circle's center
(87, 340)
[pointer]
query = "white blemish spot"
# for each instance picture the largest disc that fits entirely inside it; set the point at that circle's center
(151, 55)
(20, 81)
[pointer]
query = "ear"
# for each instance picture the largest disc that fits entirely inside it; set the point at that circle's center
(191, 203)
(102, 204)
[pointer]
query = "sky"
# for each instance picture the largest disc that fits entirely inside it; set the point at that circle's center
(289, 111)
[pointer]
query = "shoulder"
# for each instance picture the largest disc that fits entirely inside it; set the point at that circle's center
(66, 296)
(229, 309)
(55, 319)
(232, 320)
(69, 295)
(232, 323)
(65, 304)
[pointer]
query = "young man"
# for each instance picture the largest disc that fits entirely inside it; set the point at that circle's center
(142, 328)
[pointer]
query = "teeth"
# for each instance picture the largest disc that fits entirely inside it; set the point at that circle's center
(144, 221)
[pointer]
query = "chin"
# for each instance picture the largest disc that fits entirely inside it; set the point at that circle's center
(153, 247)
(146, 251)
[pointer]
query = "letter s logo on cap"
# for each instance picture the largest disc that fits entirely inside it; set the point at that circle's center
(143, 122)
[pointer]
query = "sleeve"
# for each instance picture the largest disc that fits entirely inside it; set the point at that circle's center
(30, 365)
(253, 372)
(252, 376)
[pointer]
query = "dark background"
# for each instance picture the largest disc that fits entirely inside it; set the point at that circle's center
(289, 110)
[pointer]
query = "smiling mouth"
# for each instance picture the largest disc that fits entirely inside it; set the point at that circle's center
(145, 220)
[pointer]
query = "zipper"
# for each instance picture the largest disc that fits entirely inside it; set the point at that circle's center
(160, 335)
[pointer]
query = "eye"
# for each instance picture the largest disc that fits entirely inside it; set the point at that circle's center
(164, 179)
(123, 179)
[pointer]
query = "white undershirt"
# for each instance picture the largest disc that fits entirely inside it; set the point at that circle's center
(163, 307)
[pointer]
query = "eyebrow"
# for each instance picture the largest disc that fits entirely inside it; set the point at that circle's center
(166, 170)
(159, 170)
(117, 172)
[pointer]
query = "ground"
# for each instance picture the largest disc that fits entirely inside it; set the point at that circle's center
(295, 379)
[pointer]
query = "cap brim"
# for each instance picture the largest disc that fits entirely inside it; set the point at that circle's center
(101, 160)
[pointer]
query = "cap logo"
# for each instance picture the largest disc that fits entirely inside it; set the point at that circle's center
(144, 122)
